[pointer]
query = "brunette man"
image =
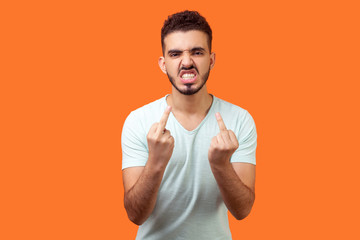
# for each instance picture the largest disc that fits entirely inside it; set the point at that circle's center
(188, 157)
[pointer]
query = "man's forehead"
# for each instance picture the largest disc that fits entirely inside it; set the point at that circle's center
(185, 40)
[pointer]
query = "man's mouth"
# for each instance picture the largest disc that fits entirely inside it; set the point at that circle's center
(188, 76)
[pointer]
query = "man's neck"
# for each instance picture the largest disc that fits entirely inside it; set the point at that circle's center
(196, 104)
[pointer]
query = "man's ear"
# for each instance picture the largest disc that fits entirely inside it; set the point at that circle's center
(212, 60)
(162, 64)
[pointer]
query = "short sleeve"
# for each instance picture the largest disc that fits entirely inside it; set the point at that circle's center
(133, 143)
(247, 138)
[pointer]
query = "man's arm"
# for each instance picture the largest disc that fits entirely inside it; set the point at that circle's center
(141, 184)
(236, 181)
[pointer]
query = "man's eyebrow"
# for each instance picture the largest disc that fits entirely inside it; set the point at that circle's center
(197, 49)
(174, 51)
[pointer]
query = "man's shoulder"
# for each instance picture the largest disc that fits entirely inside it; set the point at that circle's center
(234, 116)
(229, 108)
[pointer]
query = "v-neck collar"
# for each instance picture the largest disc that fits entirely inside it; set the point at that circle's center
(209, 113)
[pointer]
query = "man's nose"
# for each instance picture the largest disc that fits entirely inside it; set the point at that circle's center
(186, 60)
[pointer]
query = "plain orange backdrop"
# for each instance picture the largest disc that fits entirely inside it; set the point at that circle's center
(71, 71)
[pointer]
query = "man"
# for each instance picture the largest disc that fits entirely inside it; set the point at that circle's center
(189, 156)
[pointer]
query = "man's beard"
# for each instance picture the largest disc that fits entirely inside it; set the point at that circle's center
(189, 90)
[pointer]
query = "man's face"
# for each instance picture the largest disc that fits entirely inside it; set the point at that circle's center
(187, 60)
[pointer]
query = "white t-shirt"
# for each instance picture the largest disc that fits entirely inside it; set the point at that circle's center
(189, 204)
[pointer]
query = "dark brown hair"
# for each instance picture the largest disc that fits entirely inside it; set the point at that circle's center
(185, 21)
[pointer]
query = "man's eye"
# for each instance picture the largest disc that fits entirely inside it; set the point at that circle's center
(174, 54)
(198, 53)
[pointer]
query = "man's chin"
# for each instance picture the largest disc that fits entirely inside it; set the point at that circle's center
(188, 89)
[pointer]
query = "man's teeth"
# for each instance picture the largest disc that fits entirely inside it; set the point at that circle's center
(188, 76)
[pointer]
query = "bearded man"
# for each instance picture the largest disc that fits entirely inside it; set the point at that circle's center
(188, 157)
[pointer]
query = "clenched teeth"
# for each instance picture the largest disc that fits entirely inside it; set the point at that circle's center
(188, 76)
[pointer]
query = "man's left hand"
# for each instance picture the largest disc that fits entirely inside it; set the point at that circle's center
(222, 145)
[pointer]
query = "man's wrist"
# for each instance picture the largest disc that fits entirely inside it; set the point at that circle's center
(220, 165)
(156, 165)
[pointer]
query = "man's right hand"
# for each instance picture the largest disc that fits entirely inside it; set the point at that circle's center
(142, 184)
(160, 141)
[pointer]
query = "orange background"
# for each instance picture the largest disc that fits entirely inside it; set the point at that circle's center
(71, 71)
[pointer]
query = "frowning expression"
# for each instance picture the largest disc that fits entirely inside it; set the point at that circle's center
(187, 60)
